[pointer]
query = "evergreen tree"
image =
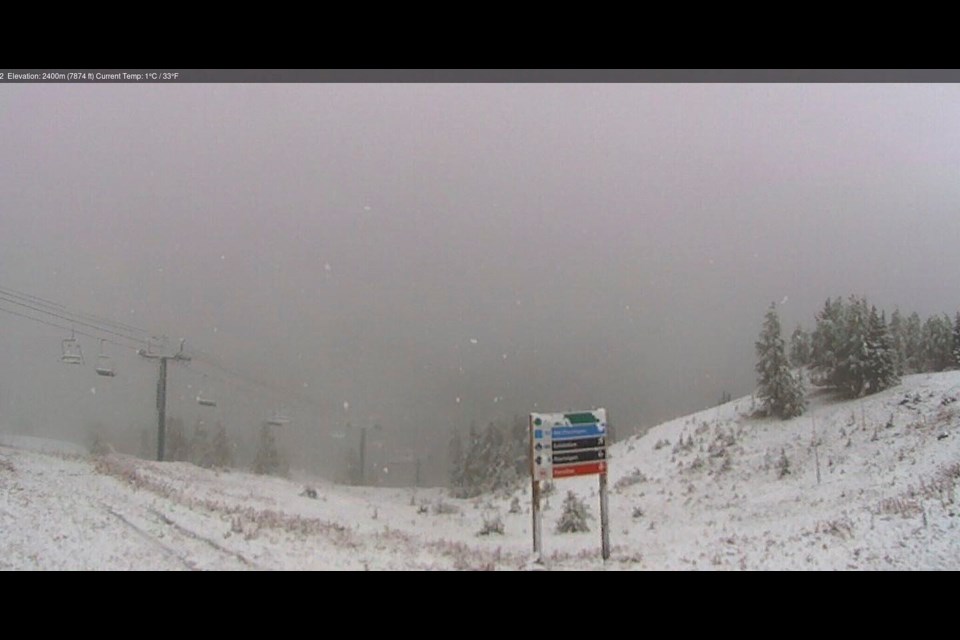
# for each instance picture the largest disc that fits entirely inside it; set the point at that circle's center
(956, 341)
(574, 516)
(353, 466)
(913, 343)
(897, 339)
(881, 368)
(850, 372)
(520, 440)
(200, 452)
(221, 453)
(498, 458)
(473, 464)
(937, 343)
(176, 447)
(799, 347)
(267, 460)
(780, 392)
(827, 341)
(456, 463)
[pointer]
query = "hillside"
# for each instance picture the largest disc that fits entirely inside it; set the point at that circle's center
(704, 491)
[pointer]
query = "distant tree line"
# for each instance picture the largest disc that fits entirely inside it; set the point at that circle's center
(489, 459)
(197, 447)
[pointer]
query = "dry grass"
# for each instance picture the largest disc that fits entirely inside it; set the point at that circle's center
(840, 527)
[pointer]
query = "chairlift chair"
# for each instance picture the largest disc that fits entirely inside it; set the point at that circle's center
(206, 401)
(278, 419)
(104, 363)
(70, 351)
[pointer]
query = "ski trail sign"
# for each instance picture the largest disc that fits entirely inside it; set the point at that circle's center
(566, 445)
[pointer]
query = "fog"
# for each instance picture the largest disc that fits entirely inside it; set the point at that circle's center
(420, 256)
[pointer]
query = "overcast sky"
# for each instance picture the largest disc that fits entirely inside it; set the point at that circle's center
(519, 247)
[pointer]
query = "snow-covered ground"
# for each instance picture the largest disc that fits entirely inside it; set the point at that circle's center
(889, 466)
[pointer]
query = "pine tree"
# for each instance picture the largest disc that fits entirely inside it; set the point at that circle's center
(898, 341)
(827, 342)
(881, 371)
(200, 452)
(780, 392)
(574, 516)
(799, 347)
(520, 441)
(267, 460)
(353, 466)
(956, 341)
(474, 471)
(176, 447)
(913, 344)
(937, 343)
(850, 373)
(456, 463)
(221, 453)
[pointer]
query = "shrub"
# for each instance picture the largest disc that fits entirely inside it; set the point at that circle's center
(574, 516)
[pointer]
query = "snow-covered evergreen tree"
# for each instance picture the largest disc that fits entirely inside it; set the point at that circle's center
(267, 460)
(176, 446)
(472, 461)
(897, 340)
(913, 344)
(827, 341)
(937, 343)
(221, 453)
(850, 373)
(881, 368)
(494, 458)
(200, 451)
(780, 391)
(574, 516)
(456, 463)
(799, 347)
(956, 341)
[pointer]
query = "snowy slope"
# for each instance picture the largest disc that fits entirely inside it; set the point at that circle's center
(889, 468)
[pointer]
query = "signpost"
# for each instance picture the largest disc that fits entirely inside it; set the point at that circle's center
(565, 445)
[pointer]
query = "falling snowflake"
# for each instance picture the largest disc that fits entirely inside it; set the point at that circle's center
(346, 405)
(473, 341)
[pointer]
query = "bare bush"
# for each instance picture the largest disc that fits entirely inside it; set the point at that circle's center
(840, 527)
(903, 507)
(783, 465)
(491, 524)
(441, 508)
(634, 477)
